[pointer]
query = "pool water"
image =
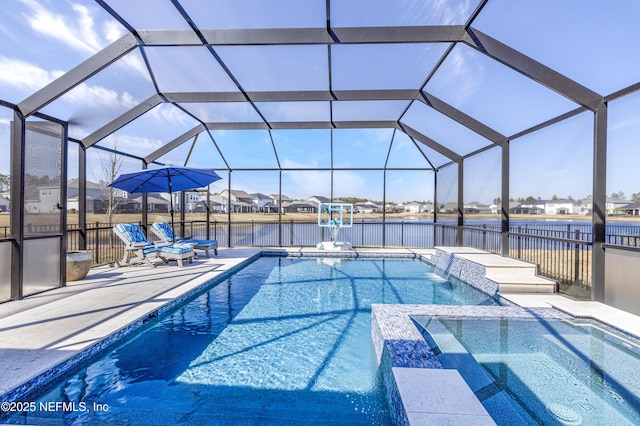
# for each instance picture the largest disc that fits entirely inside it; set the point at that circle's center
(283, 341)
(549, 372)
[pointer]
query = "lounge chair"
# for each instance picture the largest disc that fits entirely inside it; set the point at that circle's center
(139, 250)
(164, 232)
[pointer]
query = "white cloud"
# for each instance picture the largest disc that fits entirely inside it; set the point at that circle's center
(98, 96)
(79, 31)
(288, 163)
(134, 144)
(17, 73)
(167, 113)
(112, 31)
(75, 31)
(304, 184)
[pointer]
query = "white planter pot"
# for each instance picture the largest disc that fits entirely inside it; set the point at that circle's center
(78, 264)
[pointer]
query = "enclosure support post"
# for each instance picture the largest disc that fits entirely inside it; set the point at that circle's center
(208, 209)
(280, 208)
(435, 208)
(460, 202)
(229, 212)
(504, 200)
(599, 214)
(82, 197)
(17, 203)
(384, 205)
(145, 206)
(183, 231)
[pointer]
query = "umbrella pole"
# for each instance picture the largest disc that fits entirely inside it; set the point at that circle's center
(173, 232)
(173, 229)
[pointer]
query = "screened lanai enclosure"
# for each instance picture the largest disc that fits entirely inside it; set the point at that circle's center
(450, 122)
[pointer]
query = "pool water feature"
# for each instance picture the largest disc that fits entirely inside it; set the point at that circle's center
(551, 372)
(283, 341)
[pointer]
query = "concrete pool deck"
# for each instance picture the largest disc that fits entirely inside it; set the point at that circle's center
(48, 329)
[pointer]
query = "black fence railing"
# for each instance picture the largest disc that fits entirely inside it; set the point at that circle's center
(563, 251)
(566, 258)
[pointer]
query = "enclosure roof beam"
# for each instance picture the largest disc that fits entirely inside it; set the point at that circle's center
(293, 36)
(122, 121)
(174, 143)
(292, 96)
(533, 69)
(258, 125)
(425, 140)
(462, 118)
(77, 75)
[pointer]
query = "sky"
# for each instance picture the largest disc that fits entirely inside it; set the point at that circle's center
(41, 40)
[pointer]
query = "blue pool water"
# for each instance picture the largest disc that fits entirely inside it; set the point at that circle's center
(283, 341)
(549, 372)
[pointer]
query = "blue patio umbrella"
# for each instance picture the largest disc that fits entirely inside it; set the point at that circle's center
(165, 179)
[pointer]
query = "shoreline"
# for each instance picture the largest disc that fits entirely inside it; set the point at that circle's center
(72, 219)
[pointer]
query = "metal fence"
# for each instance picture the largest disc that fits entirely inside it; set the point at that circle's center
(562, 251)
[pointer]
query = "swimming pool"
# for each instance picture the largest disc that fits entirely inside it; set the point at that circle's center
(544, 371)
(283, 341)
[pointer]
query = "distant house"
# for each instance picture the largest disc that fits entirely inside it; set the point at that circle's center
(261, 200)
(241, 201)
(367, 207)
(300, 207)
(270, 207)
(615, 206)
(448, 207)
(318, 199)
(475, 207)
(155, 204)
(48, 197)
(529, 207)
(5, 204)
(414, 207)
(218, 204)
(562, 206)
(276, 198)
(631, 209)
(392, 208)
(551, 207)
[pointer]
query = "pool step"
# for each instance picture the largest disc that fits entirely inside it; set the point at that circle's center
(511, 275)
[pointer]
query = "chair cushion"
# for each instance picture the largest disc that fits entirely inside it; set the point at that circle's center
(132, 232)
(149, 249)
(202, 243)
(175, 248)
(164, 229)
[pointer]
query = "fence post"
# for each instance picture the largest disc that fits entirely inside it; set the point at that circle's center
(519, 242)
(253, 233)
(96, 237)
(402, 233)
(484, 236)
(576, 258)
(291, 233)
